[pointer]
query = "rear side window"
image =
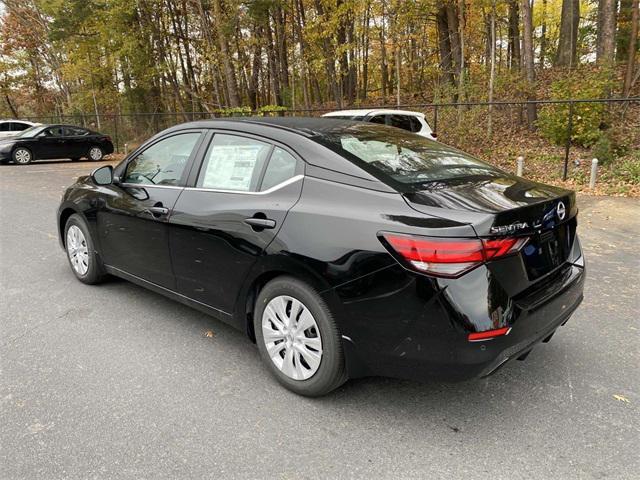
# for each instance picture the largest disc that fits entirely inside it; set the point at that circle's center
(416, 126)
(5, 127)
(163, 163)
(77, 132)
(233, 163)
(281, 167)
(400, 121)
(18, 126)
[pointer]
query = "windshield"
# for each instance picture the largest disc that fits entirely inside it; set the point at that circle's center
(31, 131)
(402, 158)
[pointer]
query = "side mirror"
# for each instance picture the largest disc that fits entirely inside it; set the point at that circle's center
(103, 175)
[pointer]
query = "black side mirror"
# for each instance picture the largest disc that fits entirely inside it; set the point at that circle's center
(103, 175)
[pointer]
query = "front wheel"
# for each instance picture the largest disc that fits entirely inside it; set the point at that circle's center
(22, 156)
(298, 338)
(95, 153)
(81, 252)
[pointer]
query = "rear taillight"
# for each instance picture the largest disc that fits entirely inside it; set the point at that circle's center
(447, 257)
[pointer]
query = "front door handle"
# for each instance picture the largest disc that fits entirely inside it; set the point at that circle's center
(260, 223)
(158, 211)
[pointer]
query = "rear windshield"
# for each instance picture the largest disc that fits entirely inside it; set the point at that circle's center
(400, 158)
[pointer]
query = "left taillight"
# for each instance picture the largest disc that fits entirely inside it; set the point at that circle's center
(447, 257)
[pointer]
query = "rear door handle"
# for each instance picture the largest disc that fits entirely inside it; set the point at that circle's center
(260, 223)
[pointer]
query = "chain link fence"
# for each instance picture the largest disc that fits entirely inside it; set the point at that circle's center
(466, 125)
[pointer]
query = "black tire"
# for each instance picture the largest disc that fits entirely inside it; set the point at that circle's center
(22, 156)
(95, 272)
(92, 153)
(331, 373)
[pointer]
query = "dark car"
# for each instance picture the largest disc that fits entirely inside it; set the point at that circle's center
(42, 142)
(343, 249)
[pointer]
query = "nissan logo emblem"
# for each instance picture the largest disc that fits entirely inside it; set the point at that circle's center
(561, 210)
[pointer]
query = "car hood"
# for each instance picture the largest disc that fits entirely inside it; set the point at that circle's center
(491, 202)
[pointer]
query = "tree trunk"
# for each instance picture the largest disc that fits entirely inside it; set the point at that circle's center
(514, 35)
(492, 62)
(229, 72)
(605, 43)
(543, 35)
(527, 20)
(444, 44)
(624, 29)
(567, 44)
(633, 46)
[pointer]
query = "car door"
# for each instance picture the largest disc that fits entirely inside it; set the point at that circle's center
(49, 143)
(238, 202)
(133, 219)
(76, 142)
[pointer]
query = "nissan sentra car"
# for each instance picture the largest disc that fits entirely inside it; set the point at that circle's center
(342, 249)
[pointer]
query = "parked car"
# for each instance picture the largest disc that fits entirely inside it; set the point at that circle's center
(411, 121)
(343, 249)
(11, 128)
(42, 142)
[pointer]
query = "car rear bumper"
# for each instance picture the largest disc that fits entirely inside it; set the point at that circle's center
(434, 343)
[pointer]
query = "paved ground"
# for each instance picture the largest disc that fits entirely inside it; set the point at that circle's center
(118, 382)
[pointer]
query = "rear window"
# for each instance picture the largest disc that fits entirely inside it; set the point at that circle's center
(402, 159)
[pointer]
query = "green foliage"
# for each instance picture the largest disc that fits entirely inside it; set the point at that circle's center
(268, 110)
(603, 149)
(588, 118)
(232, 112)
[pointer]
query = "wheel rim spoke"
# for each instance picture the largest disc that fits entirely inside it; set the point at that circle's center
(77, 250)
(292, 337)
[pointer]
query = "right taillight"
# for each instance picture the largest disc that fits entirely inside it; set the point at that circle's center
(447, 257)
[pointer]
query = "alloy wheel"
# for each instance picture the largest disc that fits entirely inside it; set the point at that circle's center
(292, 337)
(77, 250)
(22, 156)
(95, 153)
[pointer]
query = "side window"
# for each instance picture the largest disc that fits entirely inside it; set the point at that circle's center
(54, 132)
(5, 127)
(400, 121)
(379, 119)
(18, 126)
(77, 132)
(281, 167)
(233, 163)
(416, 126)
(163, 162)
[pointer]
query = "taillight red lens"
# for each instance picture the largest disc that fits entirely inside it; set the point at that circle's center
(488, 334)
(448, 257)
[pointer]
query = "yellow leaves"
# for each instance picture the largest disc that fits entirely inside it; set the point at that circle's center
(621, 398)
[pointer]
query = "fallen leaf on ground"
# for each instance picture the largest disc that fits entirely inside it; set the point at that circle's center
(621, 398)
(209, 334)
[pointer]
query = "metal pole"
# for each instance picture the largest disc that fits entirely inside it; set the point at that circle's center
(594, 173)
(520, 167)
(567, 147)
(435, 118)
(115, 132)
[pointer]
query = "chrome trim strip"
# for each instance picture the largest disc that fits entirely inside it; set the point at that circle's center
(145, 185)
(270, 190)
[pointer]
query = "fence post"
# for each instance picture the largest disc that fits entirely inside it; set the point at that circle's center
(435, 118)
(567, 147)
(520, 167)
(594, 173)
(115, 132)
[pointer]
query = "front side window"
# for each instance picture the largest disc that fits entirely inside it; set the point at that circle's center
(163, 163)
(5, 127)
(55, 132)
(379, 119)
(233, 163)
(19, 126)
(281, 167)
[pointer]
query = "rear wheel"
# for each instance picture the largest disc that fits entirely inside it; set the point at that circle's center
(95, 153)
(22, 156)
(297, 337)
(81, 252)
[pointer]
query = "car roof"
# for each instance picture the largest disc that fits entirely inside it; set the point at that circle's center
(373, 111)
(17, 120)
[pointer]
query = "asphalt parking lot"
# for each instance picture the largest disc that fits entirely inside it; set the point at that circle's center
(114, 381)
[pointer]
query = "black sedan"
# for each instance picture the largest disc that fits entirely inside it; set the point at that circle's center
(343, 249)
(42, 142)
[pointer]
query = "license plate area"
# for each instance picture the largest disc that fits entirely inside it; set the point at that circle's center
(549, 249)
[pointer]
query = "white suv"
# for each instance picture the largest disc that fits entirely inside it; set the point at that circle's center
(412, 121)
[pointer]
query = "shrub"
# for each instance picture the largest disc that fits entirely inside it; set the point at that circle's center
(603, 149)
(588, 118)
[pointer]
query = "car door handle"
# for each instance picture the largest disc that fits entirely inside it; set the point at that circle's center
(260, 223)
(158, 211)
